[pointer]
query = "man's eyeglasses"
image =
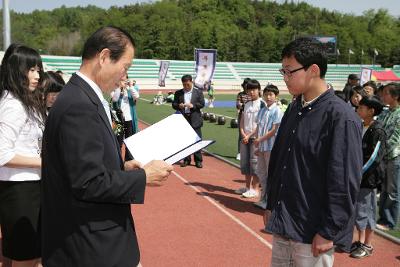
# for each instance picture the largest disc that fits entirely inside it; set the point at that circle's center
(288, 73)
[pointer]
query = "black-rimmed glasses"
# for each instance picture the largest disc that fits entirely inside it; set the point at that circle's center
(288, 73)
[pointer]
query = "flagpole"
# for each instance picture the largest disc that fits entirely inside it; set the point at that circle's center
(349, 59)
(337, 56)
(375, 54)
(6, 25)
(373, 62)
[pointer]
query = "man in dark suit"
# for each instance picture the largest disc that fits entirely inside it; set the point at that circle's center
(86, 187)
(189, 101)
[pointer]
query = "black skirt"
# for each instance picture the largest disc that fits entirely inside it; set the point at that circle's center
(19, 219)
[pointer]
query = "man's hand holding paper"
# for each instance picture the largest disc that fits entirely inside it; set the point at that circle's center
(157, 171)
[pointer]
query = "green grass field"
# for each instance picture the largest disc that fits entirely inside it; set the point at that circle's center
(225, 136)
(395, 233)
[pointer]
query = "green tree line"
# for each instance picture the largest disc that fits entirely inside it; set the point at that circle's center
(241, 30)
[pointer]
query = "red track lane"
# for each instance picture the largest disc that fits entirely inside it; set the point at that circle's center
(181, 227)
(178, 226)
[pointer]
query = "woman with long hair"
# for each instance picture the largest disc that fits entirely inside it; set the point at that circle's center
(22, 116)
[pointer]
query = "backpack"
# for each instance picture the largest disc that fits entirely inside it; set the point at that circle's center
(374, 175)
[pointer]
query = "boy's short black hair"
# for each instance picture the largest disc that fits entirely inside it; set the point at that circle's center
(307, 51)
(372, 102)
(394, 90)
(353, 77)
(271, 88)
(186, 78)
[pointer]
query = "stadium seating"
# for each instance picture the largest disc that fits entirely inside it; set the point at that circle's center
(228, 75)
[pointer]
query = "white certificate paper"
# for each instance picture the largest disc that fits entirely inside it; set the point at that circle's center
(170, 139)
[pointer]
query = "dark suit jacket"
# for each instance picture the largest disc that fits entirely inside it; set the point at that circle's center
(86, 215)
(194, 117)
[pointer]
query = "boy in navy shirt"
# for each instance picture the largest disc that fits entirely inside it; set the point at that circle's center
(315, 166)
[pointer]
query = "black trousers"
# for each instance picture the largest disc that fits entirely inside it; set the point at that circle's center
(128, 131)
(197, 155)
(240, 135)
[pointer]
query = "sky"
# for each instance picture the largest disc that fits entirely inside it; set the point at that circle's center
(356, 7)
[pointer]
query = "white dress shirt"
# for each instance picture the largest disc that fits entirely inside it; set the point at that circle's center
(19, 134)
(99, 93)
(188, 99)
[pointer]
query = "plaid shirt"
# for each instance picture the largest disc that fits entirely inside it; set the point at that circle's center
(391, 123)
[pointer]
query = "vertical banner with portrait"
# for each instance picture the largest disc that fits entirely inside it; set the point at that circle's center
(365, 75)
(206, 60)
(162, 73)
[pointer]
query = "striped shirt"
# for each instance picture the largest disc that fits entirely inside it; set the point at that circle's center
(241, 99)
(391, 123)
(266, 118)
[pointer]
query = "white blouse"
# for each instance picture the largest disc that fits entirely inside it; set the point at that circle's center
(19, 134)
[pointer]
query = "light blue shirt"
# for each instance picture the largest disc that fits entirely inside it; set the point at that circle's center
(266, 118)
(188, 99)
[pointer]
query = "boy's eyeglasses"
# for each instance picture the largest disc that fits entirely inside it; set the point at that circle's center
(288, 73)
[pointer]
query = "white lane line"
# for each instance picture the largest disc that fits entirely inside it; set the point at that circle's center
(144, 99)
(227, 213)
(169, 104)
